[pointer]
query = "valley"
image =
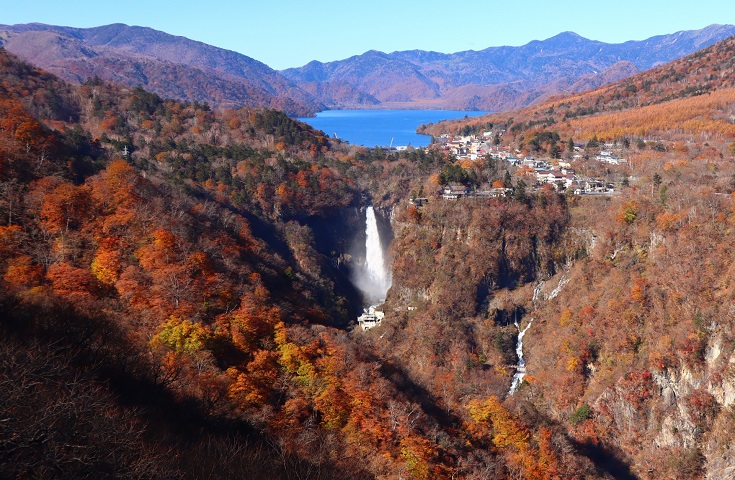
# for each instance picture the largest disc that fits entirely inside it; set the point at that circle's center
(180, 281)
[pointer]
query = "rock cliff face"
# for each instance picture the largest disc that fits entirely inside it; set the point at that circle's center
(689, 411)
(656, 407)
(631, 348)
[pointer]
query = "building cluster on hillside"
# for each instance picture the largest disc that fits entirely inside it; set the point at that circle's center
(474, 147)
(563, 177)
(468, 147)
(606, 156)
(557, 173)
(454, 192)
(560, 181)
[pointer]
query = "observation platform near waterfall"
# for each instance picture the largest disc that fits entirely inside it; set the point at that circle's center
(371, 318)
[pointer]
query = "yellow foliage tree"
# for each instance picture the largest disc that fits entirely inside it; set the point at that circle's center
(182, 336)
(106, 265)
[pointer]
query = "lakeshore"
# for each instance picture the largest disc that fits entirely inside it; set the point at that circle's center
(382, 128)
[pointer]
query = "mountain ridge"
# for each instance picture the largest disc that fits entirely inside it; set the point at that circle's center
(531, 69)
(644, 102)
(169, 65)
(494, 79)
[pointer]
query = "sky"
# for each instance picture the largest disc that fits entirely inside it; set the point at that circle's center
(291, 33)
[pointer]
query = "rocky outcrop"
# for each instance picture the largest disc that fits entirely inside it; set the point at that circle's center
(688, 409)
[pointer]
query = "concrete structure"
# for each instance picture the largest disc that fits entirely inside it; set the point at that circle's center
(371, 318)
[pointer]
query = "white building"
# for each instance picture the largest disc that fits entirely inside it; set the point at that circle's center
(371, 318)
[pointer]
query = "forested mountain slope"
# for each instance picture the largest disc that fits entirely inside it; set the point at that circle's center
(160, 273)
(630, 343)
(168, 65)
(687, 97)
(163, 268)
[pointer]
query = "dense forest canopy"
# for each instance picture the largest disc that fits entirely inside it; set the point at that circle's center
(171, 308)
(167, 251)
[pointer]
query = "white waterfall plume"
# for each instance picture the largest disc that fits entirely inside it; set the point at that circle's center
(374, 278)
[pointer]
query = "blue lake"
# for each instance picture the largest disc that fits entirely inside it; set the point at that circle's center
(373, 128)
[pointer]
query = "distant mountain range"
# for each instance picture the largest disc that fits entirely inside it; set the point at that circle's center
(689, 98)
(497, 78)
(171, 66)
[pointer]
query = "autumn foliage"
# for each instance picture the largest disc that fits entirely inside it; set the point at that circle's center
(187, 260)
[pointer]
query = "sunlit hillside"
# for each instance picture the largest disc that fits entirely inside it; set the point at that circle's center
(178, 294)
(690, 98)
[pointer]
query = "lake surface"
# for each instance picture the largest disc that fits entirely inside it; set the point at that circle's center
(379, 128)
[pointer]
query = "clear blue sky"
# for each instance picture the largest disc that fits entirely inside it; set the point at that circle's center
(290, 33)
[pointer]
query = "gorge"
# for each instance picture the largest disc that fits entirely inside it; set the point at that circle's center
(197, 270)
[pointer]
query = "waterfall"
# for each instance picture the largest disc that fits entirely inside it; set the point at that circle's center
(373, 279)
(374, 259)
(562, 283)
(521, 367)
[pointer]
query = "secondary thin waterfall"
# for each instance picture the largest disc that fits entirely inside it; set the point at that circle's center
(521, 367)
(374, 280)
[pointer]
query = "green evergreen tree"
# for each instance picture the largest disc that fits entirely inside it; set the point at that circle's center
(554, 151)
(519, 192)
